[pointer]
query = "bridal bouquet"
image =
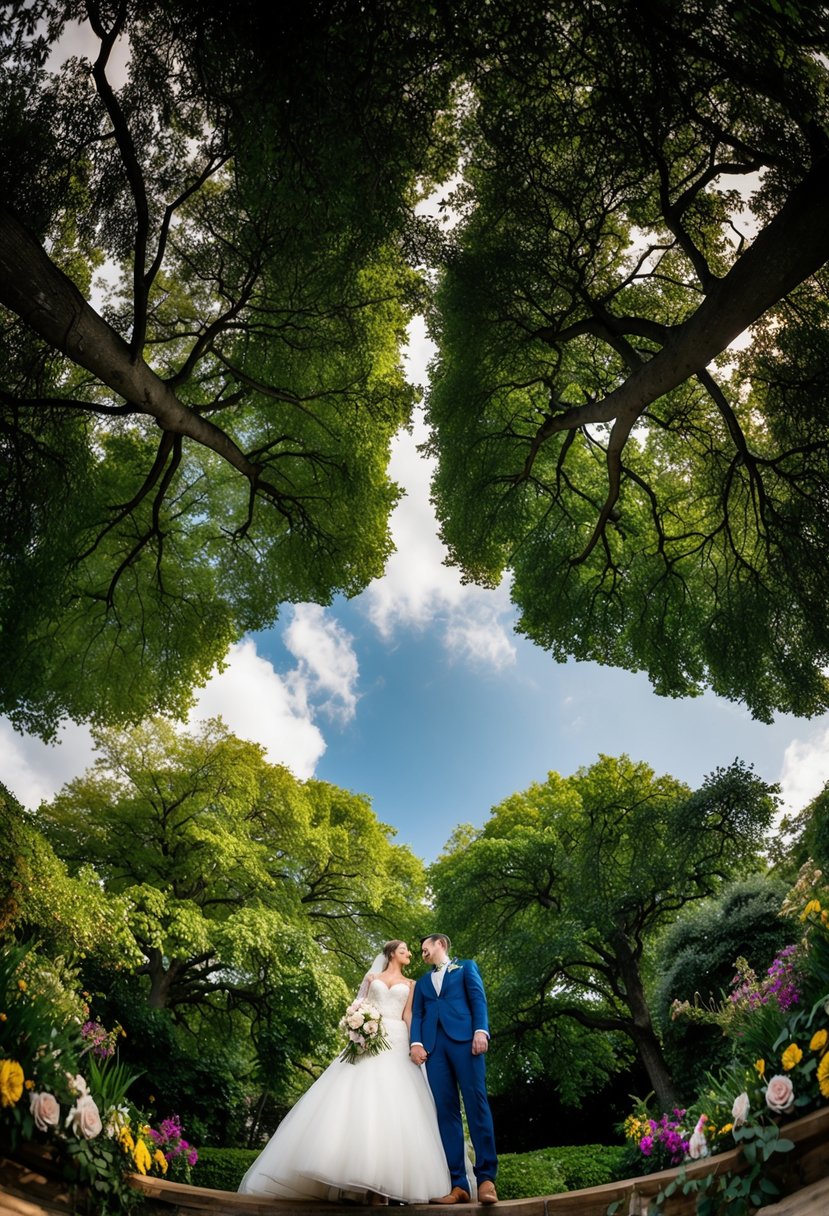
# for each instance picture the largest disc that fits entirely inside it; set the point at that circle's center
(362, 1025)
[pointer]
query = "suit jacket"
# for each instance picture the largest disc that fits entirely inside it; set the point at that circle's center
(459, 1010)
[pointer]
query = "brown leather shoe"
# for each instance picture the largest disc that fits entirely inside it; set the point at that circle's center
(487, 1192)
(456, 1195)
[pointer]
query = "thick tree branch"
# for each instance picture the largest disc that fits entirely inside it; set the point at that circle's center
(790, 248)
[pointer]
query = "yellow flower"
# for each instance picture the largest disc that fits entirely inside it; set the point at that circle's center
(160, 1160)
(823, 1075)
(791, 1056)
(30, 1084)
(818, 1041)
(11, 1082)
(726, 1127)
(760, 1065)
(126, 1140)
(812, 906)
(22, 985)
(4, 1017)
(141, 1157)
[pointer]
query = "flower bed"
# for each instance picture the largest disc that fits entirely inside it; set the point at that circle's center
(807, 1162)
(741, 1118)
(64, 1105)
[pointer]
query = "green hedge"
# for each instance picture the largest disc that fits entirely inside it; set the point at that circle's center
(546, 1171)
(521, 1175)
(222, 1169)
(585, 1165)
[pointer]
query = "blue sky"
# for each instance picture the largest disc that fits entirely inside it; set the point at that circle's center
(419, 695)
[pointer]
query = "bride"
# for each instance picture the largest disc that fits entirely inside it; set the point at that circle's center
(368, 1129)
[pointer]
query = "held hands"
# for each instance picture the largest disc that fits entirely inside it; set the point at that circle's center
(418, 1054)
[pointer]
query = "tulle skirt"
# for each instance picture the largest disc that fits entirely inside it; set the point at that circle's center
(369, 1126)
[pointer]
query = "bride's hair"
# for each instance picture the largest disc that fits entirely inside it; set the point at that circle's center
(389, 949)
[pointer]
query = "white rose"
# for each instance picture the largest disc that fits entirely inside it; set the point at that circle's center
(780, 1095)
(354, 1020)
(84, 1119)
(45, 1111)
(740, 1109)
(371, 1027)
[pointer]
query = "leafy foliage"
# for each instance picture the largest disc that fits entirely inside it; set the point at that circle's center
(656, 501)
(576, 876)
(213, 440)
(253, 902)
(695, 959)
(222, 1169)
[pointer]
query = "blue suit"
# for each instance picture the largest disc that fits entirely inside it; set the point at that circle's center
(445, 1024)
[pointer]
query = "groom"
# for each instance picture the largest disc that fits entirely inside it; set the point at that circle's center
(450, 1034)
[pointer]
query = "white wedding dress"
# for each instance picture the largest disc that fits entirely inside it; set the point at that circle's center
(368, 1126)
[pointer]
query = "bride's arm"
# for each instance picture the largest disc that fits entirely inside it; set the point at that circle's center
(407, 1011)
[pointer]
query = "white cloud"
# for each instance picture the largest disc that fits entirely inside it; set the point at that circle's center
(481, 638)
(805, 769)
(254, 701)
(327, 665)
(418, 589)
(257, 703)
(34, 771)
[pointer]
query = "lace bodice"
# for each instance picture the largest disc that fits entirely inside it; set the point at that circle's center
(390, 1001)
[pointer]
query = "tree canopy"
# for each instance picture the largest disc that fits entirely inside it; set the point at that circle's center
(638, 185)
(212, 439)
(643, 182)
(576, 876)
(246, 890)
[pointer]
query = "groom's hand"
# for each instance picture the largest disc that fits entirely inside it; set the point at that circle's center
(418, 1054)
(480, 1043)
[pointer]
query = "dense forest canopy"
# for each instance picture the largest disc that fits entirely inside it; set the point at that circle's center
(639, 184)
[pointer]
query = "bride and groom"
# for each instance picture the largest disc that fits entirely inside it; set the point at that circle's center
(389, 1128)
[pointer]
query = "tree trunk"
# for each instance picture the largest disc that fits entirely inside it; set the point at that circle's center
(641, 1028)
(161, 979)
(49, 303)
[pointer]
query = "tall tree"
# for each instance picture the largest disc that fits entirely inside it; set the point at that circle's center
(212, 439)
(568, 883)
(644, 182)
(244, 884)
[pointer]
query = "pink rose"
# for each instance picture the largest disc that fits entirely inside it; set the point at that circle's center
(84, 1119)
(45, 1111)
(780, 1095)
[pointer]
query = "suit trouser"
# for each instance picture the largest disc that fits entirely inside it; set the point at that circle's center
(451, 1066)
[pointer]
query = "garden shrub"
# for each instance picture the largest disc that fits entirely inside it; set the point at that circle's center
(586, 1165)
(521, 1175)
(222, 1169)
